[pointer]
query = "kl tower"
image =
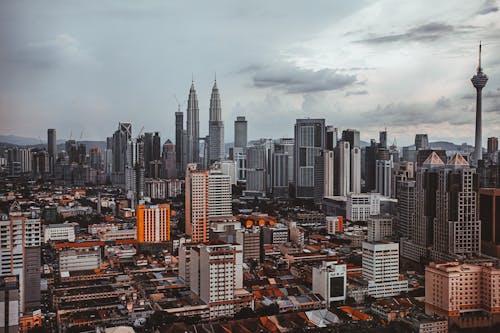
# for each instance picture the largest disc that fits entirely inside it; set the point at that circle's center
(479, 81)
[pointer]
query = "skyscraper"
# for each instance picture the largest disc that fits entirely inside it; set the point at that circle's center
(479, 81)
(309, 142)
(457, 228)
(351, 136)
(169, 161)
(342, 171)
(280, 174)
(421, 142)
(193, 127)
(355, 170)
(240, 132)
(120, 146)
(384, 177)
(180, 162)
(492, 145)
(52, 148)
(215, 128)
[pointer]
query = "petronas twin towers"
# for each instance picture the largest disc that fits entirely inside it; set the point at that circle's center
(215, 132)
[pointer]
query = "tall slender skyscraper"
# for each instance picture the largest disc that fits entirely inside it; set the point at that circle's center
(309, 142)
(479, 81)
(215, 128)
(193, 127)
(180, 162)
(52, 148)
(240, 132)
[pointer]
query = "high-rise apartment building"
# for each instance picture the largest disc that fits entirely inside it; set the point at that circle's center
(240, 132)
(216, 149)
(381, 269)
(208, 197)
(193, 127)
(153, 223)
(20, 237)
(215, 274)
(309, 142)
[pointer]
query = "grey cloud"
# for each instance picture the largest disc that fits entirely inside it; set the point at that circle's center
(426, 32)
(295, 80)
(61, 49)
(487, 94)
(489, 6)
(443, 102)
(356, 92)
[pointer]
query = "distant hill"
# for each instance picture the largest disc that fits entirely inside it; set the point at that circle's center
(19, 140)
(7, 141)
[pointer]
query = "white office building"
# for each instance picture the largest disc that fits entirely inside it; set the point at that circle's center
(360, 206)
(330, 280)
(381, 269)
(59, 232)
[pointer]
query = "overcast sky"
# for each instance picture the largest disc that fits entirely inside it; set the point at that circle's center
(405, 65)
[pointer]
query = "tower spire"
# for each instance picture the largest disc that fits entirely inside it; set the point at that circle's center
(479, 69)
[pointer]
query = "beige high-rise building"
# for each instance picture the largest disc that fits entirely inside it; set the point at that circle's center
(208, 197)
(453, 289)
(216, 274)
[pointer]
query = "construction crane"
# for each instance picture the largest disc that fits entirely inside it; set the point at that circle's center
(140, 132)
(178, 103)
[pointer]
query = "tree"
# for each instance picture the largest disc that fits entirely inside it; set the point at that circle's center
(245, 313)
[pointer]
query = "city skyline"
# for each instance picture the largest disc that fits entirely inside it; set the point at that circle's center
(387, 71)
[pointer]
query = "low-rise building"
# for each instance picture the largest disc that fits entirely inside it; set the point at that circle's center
(329, 280)
(60, 232)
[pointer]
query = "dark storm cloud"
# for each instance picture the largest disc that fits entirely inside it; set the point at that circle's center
(426, 32)
(356, 92)
(295, 80)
